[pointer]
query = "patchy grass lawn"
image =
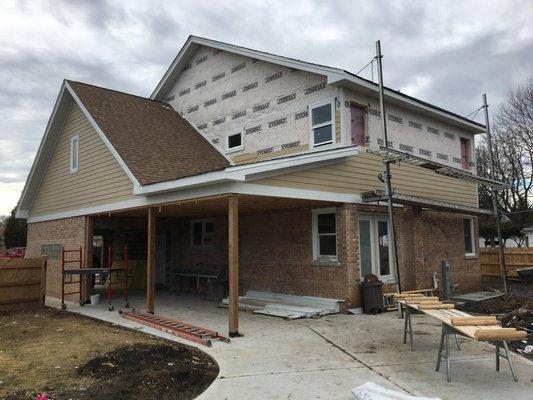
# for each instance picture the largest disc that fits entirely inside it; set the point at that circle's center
(69, 356)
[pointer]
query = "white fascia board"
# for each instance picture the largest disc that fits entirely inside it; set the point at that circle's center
(35, 175)
(195, 193)
(292, 193)
(349, 81)
(103, 137)
(246, 172)
(193, 42)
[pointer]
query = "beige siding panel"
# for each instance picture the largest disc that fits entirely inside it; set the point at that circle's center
(360, 174)
(99, 180)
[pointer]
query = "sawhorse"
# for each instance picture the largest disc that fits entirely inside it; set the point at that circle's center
(445, 342)
(408, 328)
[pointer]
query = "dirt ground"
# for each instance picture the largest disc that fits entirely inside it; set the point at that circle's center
(513, 310)
(68, 356)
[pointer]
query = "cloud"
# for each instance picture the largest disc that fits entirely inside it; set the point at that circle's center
(445, 52)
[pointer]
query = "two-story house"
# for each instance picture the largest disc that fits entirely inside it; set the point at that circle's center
(254, 165)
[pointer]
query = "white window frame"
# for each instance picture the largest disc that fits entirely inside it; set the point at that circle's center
(332, 102)
(203, 222)
(472, 237)
(76, 151)
(316, 246)
(374, 245)
(236, 148)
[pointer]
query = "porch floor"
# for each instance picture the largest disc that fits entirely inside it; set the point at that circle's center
(327, 357)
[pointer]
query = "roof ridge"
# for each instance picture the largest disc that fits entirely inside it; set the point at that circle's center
(118, 91)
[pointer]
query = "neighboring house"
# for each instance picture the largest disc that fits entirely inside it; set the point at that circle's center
(528, 235)
(286, 145)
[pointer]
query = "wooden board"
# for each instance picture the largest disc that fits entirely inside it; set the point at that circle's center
(473, 321)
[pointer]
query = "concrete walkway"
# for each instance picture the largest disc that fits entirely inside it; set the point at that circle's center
(325, 358)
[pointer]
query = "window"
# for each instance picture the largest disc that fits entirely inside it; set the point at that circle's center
(51, 251)
(324, 234)
(470, 247)
(74, 151)
(202, 233)
(321, 123)
(374, 247)
(234, 142)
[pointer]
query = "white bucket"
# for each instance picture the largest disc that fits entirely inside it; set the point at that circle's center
(95, 299)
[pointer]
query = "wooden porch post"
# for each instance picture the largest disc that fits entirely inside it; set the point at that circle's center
(233, 242)
(88, 256)
(150, 261)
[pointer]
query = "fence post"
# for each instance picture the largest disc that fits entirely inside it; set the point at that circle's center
(42, 287)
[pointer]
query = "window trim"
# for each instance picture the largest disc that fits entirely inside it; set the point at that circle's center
(374, 244)
(236, 148)
(203, 221)
(472, 237)
(74, 169)
(333, 140)
(316, 256)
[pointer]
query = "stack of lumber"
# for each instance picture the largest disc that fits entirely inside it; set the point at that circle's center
(286, 305)
(481, 328)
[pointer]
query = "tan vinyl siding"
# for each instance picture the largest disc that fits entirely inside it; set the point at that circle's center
(99, 180)
(360, 174)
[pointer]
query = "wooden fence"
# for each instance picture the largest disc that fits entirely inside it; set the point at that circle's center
(515, 257)
(22, 283)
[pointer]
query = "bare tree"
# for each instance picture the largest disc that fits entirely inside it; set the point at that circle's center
(513, 162)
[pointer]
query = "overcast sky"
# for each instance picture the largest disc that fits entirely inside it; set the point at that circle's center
(443, 52)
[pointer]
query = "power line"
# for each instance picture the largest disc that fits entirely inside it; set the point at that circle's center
(369, 63)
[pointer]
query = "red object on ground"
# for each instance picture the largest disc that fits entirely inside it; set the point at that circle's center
(42, 396)
(15, 252)
(177, 328)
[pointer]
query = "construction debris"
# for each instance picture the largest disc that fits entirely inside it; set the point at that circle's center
(372, 391)
(286, 305)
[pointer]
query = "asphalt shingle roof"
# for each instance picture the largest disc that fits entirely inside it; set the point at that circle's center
(155, 142)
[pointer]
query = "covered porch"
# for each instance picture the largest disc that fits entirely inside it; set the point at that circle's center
(210, 248)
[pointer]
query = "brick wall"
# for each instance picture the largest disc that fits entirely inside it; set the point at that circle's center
(68, 232)
(276, 249)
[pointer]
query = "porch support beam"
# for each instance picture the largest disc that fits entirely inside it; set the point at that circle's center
(88, 254)
(233, 243)
(150, 260)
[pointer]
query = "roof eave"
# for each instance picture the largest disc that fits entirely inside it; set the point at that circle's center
(362, 85)
(250, 172)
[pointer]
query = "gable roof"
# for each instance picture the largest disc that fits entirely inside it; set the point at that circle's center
(155, 142)
(335, 77)
(148, 138)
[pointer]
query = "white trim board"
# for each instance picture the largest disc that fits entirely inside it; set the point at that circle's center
(213, 190)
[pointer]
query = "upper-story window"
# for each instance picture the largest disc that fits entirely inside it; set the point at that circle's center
(234, 142)
(74, 153)
(465, 153)
(322, 125)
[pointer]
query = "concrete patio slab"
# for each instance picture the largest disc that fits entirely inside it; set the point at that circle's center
(325, 358)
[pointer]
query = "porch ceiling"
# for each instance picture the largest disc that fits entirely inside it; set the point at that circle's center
(218, 205)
